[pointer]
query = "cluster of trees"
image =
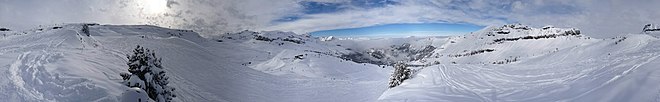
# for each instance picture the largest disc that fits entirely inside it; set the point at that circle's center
(147, 73)
(262, 38)
(566, 33)
(175, 34)
(620, 40)
(503, 32)
(85, 28)
(293, 40)
(490, 34)
(290, 39)
(507, 61)
(571, 32)
(472, 53)
(4, 29)
(516, 26)
(299, 57)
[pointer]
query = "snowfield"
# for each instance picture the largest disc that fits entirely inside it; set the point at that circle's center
(497, 63)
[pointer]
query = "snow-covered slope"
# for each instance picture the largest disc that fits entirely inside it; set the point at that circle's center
(565, 68)
(66, 65)
(508, 63)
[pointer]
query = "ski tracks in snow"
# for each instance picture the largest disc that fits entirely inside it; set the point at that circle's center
(32, 81)
(565, 81)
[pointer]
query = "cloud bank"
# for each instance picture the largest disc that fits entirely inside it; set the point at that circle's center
(600, 18)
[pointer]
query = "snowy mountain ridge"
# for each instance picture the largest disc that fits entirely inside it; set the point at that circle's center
(497, 63)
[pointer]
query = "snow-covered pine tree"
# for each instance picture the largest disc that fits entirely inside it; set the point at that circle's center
(401, 72)
(146, 72)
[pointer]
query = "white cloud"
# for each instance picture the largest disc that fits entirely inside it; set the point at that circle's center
(604, 18)
(598, 18)
(411, 12)
(222, 16)
(27, 14)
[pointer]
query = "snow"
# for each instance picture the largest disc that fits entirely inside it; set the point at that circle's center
(135, 95)
(66, 65)
(134, 81)
(578, 69)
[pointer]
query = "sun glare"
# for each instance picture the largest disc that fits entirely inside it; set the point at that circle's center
(154, 6)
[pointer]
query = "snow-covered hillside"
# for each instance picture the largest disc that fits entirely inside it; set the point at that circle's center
(65, 64)
(530, 66)
(498, 63)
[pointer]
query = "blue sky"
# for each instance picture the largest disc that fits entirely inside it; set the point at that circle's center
(597, 18)
(390, 30)
(402, 30)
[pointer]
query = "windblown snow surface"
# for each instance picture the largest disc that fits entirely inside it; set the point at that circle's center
(494, 64)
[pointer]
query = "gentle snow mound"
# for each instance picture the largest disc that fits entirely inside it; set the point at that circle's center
(134, 95)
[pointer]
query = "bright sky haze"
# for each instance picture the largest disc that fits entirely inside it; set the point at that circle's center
(598, 18)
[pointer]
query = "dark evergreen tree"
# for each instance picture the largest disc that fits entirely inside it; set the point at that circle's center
(85, 29)
(401, 73)
(146, 72)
